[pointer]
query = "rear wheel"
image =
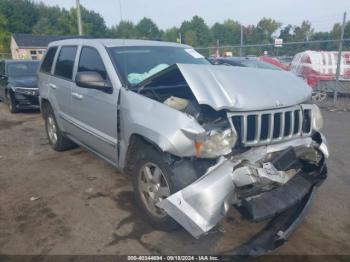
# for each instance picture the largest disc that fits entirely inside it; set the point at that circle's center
(56, 138)
(11, 103)
(152, 183)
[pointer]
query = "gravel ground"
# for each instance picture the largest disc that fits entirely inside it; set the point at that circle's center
(74, 203)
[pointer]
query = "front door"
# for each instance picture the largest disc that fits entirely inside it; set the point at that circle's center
(95, 111)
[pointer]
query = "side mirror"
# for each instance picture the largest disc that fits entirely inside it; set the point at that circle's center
(3, 77)
(92, 80)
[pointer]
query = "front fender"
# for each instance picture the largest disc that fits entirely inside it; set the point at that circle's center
(10, 88)
(164, 126)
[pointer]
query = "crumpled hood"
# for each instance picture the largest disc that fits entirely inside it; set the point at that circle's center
(242, 88)
(24, 81)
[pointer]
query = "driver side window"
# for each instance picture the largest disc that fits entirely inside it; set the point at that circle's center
(90, 60)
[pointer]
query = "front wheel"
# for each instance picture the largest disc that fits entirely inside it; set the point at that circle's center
(152, 183)
(11, 103)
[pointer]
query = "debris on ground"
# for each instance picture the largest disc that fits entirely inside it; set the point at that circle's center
(34, 198)
(89, 190)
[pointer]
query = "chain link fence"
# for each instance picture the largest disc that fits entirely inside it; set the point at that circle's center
(328, 77)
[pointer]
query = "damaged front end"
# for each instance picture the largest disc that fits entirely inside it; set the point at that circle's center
(252, 183)
(267, 155)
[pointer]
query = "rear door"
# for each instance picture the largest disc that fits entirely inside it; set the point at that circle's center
(61, 85)
(95, 111)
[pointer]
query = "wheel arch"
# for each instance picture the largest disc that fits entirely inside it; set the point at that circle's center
(44, 106)
(135, 149)
(9, 89)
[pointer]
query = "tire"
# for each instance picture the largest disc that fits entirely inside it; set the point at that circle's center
(11, 103)
(152, 160)
(56, 138)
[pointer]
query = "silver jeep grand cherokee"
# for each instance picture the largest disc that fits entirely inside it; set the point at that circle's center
(197, 138)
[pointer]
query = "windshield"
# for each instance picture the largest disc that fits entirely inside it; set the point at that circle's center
(19, 69)
(138, 63)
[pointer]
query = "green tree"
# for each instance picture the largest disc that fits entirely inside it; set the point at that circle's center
(4, 35)
(21, 15)
(321, 46)
(190, 37)
(196, 32)
(52, 21)
(125, 29)
(147, 29)
(93, 24)
(228, 33)
(347, 30)
(265, 29)
(171, 34)
(286, 33)
(303, 32)
(219, 32)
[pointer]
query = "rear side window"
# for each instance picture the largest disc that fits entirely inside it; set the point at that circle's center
(48, 60)
(65, 62)
(90, 60)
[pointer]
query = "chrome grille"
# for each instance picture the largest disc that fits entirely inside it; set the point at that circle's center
(270, 126)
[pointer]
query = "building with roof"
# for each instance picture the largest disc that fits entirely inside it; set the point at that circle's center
(27, 46)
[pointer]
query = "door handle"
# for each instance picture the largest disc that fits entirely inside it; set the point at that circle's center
(53, 86)
(77, 96)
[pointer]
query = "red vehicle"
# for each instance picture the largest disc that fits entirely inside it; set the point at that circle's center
(319, 68)
(274, 61)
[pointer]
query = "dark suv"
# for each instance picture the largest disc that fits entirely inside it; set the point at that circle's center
(19, 84)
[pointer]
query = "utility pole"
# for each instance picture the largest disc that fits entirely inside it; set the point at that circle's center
(241, 48)
(80, 28)
(339, 59)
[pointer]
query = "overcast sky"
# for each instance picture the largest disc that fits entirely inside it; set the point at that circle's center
(167, 13)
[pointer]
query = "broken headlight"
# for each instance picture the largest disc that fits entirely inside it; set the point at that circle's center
(216, 143)
(317, 118)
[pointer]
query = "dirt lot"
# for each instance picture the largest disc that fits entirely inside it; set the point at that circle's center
(85, 207)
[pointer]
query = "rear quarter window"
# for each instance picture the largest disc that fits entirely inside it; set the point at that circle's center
(65, 62)
(48, 60)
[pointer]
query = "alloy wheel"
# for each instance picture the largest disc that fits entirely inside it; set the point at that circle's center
(153, 188)
(51, 129)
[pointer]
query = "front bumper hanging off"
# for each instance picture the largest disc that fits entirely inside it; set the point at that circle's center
(279, 229)
(201, 205)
